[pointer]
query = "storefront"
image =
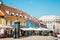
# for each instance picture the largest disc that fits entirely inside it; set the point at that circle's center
(6, 30)
(34, 31)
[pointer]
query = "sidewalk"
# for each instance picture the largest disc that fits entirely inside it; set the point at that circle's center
(32, 38)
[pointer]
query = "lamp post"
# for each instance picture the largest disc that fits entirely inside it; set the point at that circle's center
(16, 29)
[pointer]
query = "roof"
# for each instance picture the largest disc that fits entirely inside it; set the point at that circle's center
(1, 13)
(4, 7)
(25, 14)
(35, 20)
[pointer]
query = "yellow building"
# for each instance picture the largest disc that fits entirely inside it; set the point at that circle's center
(8, 15)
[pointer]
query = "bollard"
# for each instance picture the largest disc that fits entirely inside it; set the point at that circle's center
(16, 29)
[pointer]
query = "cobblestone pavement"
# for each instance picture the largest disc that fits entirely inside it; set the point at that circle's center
(31, 38)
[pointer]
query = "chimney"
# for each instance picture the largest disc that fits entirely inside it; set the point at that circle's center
(1, 2)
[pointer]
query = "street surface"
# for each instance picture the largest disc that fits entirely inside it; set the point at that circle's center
(32, 38)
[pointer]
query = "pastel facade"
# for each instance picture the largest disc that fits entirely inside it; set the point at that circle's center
(30, 24)
(8, 15)
(52, 22)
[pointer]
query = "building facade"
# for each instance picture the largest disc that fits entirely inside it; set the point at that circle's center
(52, 22)
(8, 15)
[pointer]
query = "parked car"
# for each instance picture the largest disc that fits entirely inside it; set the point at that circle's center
(55, 34)
(58, 35)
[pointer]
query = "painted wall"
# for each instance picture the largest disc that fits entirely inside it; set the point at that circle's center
(30, 23)
(24, 24)
(2, 21)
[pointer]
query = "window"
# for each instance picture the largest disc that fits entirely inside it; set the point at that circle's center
(10, 22)
(6, 21)
(23, 16)
(8, 12)
(16, 14)
(29, 17)
(26, 17)
(20, 16)
(20, 23)
(13, 13)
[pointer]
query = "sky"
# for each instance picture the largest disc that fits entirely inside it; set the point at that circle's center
(36, 8)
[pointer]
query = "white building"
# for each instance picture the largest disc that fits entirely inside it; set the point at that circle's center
(52, 22)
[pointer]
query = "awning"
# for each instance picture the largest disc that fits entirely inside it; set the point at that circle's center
(27, 29)
(36, 29)
(3, 26)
